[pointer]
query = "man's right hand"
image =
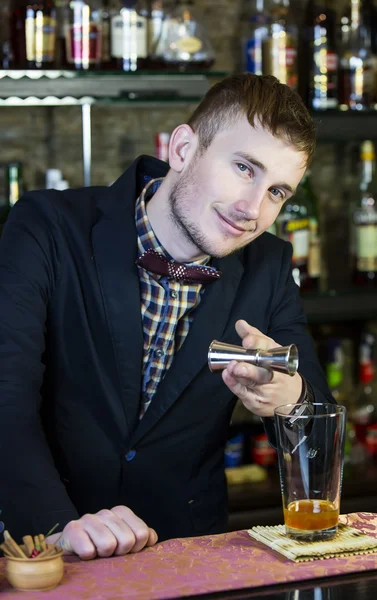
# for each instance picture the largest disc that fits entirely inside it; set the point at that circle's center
(109, 532)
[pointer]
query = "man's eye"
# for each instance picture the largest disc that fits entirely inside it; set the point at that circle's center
(243, 168)
(278, 194)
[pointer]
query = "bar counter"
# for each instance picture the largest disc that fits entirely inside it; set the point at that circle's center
(219, 566)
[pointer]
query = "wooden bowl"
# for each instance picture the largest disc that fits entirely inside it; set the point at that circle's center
(35, 574)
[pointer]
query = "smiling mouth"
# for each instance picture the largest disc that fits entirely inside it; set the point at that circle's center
(236, 226)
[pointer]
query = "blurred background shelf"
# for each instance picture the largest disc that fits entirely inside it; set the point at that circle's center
(260, 503)
(339, 126)
(336, 306)
(50, 87)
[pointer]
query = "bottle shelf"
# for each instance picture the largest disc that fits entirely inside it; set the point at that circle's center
(340, 126)
(55, 88)
(347, 305)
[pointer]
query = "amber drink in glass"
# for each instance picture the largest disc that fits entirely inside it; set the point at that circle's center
(310, 445)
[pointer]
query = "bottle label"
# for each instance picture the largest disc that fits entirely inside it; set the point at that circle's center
(325, 79)
(279, 58)
(366, 372)
(297, 232)
(253, 51)
(129, 35)
(261, 452)
(155, 26)
(84, 44)
(234, 451)
(366, 240)
(290, 56)
(189, 44)
(40, 34)
(332, 62)
(334, 375)
(314, 260)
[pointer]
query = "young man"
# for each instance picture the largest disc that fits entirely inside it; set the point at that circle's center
(112, 424)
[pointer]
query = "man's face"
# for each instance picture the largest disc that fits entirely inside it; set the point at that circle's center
(233, 192)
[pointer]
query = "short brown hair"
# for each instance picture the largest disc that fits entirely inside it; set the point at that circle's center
(278, 108)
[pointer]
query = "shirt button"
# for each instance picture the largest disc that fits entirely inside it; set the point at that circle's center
(159, 353)
(173, 294)
(130, 455)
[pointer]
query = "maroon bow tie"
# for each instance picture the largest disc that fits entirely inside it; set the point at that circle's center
(153, 261)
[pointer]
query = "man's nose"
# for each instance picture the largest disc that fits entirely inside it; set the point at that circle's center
(250, 205)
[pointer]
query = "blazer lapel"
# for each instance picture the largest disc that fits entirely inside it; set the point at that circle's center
(209, 323)
(114, 240)
(115, 245)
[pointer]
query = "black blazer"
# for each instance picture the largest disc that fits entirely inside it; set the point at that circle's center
(71, 345)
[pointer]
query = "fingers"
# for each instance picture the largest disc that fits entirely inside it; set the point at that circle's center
(122, 534)
(248, 389)
(253, 338)
(153, 537)
(75, 540)
(249, 375)
(141, 532)
(248, 396)
(109, 532)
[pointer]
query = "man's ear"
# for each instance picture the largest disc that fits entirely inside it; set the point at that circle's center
(182, 147)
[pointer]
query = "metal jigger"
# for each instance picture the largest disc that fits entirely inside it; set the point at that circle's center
(284, 359)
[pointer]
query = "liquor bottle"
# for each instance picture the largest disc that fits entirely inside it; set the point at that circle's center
(365, 409)
(130, 29)
(156, 20)
(256, 30)
(83, 34)
(13, 189)
(106, 34)
(6, 55)
(293, 225)
(15, 186)
(234, 450)
(161, 141)
(334, 369)
(364, 221)
(61, 21)
(279, 48)
(314, 258)
(356, 59)
(33, 34)
(184, 42)
(323, 56)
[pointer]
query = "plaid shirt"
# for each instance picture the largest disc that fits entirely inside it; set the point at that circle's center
(167, 306)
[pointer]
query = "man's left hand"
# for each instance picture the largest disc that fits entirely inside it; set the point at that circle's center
(260, 390)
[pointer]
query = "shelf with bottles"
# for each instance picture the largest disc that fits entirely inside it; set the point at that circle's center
(327, 52)
(334, 258)
(113, 35)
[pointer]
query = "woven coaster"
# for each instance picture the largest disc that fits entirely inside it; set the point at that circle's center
(347, 542)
